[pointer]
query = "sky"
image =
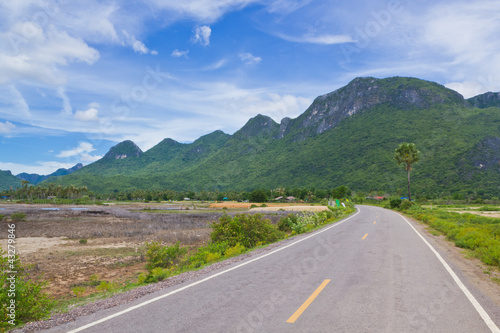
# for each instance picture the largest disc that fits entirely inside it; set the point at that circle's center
(77, 77)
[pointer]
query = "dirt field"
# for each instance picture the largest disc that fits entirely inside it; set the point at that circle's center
(82, 246)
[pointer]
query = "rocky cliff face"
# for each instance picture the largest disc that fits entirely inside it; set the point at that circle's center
(123, 150)
(486, 100)
(362, 94)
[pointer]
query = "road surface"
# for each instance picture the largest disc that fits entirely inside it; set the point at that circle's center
(372, 272)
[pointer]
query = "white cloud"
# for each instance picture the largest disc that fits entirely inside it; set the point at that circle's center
(249, 58)
(137, 45)
(13, 106)
(326, 39)
(83, 148)
(202, 35)
(462, 39)
(216, 65)
(38, 55)
(67, 109)
(87, 115)
(87, 158)
(177, 54)
(6, 128)
(201, 10)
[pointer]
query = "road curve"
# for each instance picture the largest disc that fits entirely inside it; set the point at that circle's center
(372, 272)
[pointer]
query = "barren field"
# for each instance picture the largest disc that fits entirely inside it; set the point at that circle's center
(83, 246)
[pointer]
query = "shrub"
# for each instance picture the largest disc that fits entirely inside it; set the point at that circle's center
(285, 223)
(406, 205)
(246, 229)
(105, 286)
(235, 250)
(18, 216)
(78, 291)
(82, 241)
(395, 203)
(31, 302)
(162, 256)
(253, 206)
(1, 217)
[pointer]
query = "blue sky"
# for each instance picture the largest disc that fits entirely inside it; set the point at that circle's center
(77, 77)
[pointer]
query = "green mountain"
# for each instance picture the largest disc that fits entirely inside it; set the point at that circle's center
(346, 137)
(8, 180)
(34, 178)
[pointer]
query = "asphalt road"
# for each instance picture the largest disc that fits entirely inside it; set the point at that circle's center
(370, 273)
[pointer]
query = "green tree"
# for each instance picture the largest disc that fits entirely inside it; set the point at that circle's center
(407, 154)
(258, 196)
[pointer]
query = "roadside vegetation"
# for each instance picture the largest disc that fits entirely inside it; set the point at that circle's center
(232, 236)
(479, 235)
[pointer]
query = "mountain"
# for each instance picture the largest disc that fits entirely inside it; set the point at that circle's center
(346, 137)
(8, 180)
(486, 100)
(34, 178)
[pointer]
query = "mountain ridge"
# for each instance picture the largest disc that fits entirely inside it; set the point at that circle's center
(344, 137)
(34, 178)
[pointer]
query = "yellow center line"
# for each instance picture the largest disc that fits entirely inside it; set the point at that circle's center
(365, 236)
(308, 302)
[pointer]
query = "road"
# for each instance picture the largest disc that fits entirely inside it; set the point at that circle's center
(370, 273)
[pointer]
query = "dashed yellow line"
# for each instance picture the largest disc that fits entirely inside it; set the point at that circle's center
(365, 236)
(308, 302)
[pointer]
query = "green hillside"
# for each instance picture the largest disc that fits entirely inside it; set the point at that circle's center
(346, 137)
(7, 180)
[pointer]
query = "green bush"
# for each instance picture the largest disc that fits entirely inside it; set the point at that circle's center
(162, 256)
(105, 286)
(235, 250)
(82, 241)
(18, 216)
(285, 223)
(31, 301)
(395, 203)
(1, 217)
(246, 229)
(406, 205)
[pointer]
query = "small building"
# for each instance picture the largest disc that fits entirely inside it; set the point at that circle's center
(290, 198)
(278, 198)
(187, 199)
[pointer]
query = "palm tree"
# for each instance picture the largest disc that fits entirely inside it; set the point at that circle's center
(407, 154)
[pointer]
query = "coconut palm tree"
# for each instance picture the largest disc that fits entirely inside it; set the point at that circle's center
(407, 154)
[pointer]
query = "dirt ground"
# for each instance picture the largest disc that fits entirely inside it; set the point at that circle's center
(82, 246)
(77, 248)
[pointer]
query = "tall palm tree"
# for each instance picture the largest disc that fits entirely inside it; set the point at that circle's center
(407, 154)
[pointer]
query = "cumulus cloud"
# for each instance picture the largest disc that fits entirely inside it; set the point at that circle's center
(83, 148)
(6, 128)
(38, 55)
(249, 58)
(177, 54)
(87, 115)
(202, 35)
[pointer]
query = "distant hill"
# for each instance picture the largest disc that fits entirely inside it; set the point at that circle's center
(34, 178)
(346, 137)
(7, 180)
